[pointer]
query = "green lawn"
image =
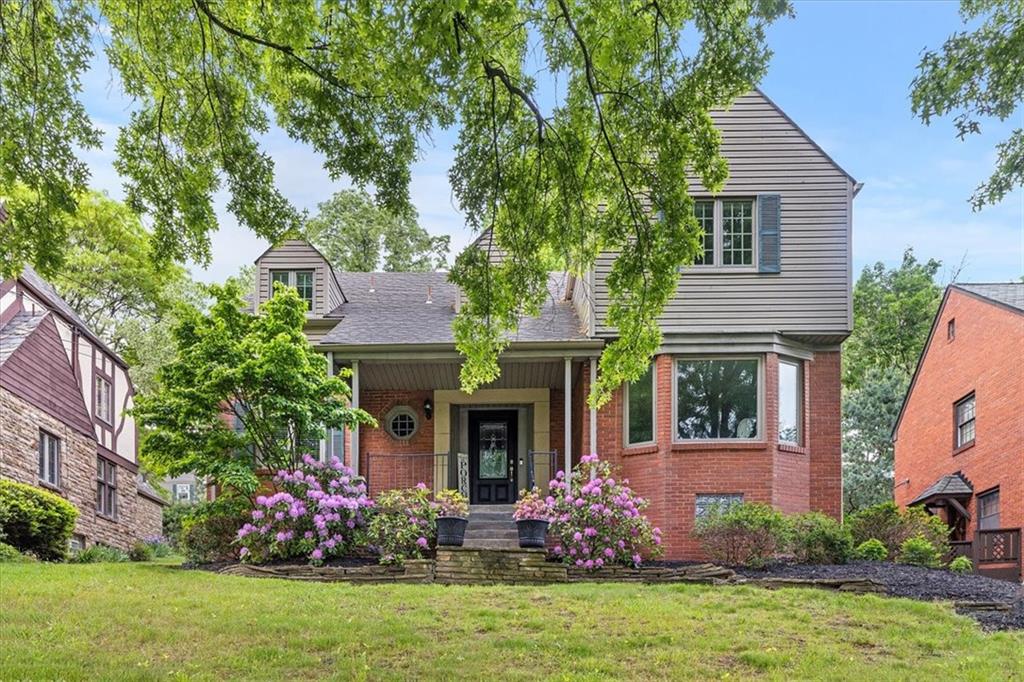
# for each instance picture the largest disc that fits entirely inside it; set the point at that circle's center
(143, 621)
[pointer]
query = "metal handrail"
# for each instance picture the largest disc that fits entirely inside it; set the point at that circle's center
(531, 475)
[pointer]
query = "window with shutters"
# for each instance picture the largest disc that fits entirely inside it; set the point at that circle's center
(733, 238)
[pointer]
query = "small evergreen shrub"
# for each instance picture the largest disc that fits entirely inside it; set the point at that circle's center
(174, 517)
(403, 524)
(871, 550)
(208, 534)
(819, 539)
(919, 551)
(140, 551)
(891, 525)
(36, 521)
(961, 565)
(11, 555)
(100, 554)
(748, 533)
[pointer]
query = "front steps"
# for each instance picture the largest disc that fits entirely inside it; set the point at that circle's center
(491, 527)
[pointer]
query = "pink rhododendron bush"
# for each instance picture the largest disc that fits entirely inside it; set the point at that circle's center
(404, 524)
(598, 520)
(319, 512)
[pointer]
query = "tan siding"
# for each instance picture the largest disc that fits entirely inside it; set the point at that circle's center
(768, 154)
(298, 255)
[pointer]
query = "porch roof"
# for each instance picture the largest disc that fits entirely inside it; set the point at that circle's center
(411, 375)
(952, 486)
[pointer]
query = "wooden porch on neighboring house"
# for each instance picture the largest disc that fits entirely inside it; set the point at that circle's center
(512, 435)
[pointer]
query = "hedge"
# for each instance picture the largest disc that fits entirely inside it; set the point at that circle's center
(36, 521)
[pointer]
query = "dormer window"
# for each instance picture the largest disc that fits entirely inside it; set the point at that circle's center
(300, 280)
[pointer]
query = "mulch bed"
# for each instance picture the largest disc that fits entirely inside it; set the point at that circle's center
(995, 604)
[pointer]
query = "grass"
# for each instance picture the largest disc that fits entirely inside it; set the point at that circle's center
(149, 621)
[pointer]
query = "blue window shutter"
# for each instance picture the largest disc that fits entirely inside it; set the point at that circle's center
(769, 233)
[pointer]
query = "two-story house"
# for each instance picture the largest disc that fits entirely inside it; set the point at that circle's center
(64, 426)
(741, 402)
(959, 439)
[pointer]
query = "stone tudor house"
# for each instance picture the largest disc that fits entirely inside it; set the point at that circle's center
(959, 438)
(63, 422)
(742, 400)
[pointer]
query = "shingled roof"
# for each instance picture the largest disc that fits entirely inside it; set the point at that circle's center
(953, 485)
(17, 329)
(1010, 294)
(395, 308)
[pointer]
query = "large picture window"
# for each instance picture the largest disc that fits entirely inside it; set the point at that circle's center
(717, 398)
(640, 409)
(106, 488)
(791, 401)
(300, 280)
(49, 458)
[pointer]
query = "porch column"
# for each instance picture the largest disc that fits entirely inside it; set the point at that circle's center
(327, 446)
(355, 429)
(593, 410)
(567, 421)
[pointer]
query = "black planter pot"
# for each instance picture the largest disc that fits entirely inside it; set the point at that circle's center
(532, 532)
(451, 531)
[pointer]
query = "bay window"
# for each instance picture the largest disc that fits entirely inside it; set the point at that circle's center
(640, 409)
(791, 401)
(717, 398)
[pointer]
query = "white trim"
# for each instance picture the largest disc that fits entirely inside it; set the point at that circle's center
(567, 421)
(355, 429)
(593, 410)
(654, 410)
(800, 399)
(761, 433)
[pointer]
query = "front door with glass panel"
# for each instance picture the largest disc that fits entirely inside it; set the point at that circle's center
(492, 456)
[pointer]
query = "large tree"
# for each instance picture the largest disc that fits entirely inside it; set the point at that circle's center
(357, 235)
(244, 394)
(578, 122)
(977, 76)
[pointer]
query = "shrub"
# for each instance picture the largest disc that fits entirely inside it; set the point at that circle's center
(11, 555)
(820, 539)
(892, 526)
(919, 551)
(35, 520)
(451, 503)
(158, 546)
(531, 505)
(599, 521)
(961, 564)
(174, 517)
(208, 533)
(871, 550)
(403, 524)
(319, 512)
(100, 554)
(140, 551)
(748, 533)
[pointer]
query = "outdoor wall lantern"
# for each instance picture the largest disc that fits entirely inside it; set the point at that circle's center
(428, 408)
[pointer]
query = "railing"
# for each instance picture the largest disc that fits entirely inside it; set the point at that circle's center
(390, 470)
(961, 548)
(997, 553)
(548, 462)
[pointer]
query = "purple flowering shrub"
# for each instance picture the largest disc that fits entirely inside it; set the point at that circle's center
(319, 512)
(599, 521)
(531, 505)
(403, 525)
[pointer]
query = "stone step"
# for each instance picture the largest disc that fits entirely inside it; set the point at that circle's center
(490, 517)
(492, 534)
(506, 508)
(492, 525)
(480, 543)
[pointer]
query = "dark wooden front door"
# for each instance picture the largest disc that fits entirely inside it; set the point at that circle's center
(492, 456)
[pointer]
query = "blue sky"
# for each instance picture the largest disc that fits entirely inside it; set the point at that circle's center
(841, 70)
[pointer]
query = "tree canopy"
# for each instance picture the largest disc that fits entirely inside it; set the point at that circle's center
(357, 235)
(977, 75)
(595, 159)
(243, 394)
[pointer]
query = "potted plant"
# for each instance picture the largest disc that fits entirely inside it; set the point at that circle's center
(452, 518)
(532, 515)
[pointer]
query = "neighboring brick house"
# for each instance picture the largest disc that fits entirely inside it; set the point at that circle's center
(743, 398)
(63, 421)
(959, 439)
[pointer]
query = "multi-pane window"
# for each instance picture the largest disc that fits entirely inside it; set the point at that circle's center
(401, 423)
(791, 400)
(737, 232)
(963, 413)
(49, 458)
(704, 211)
(106, 488)
(104, 400)
(182, 492)
(715, 503)
(988, 510)
(300, 280)
(717, 398)
(640, 409)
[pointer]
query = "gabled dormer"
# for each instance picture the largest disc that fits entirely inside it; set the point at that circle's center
(297, 263)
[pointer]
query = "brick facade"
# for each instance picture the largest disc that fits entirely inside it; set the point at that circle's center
(668, 473)
(137, 516)
(984, 357)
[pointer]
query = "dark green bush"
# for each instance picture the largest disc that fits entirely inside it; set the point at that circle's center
(961, 564)
(100, 554)
(140, 551)
(871, 550)
(173, 519)
(819, 539)
(749, 533)
(892, 526)
(919, 551)
(208, 534)
(10, 555)
(35, 520)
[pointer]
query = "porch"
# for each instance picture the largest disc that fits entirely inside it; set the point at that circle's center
(514, 434)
